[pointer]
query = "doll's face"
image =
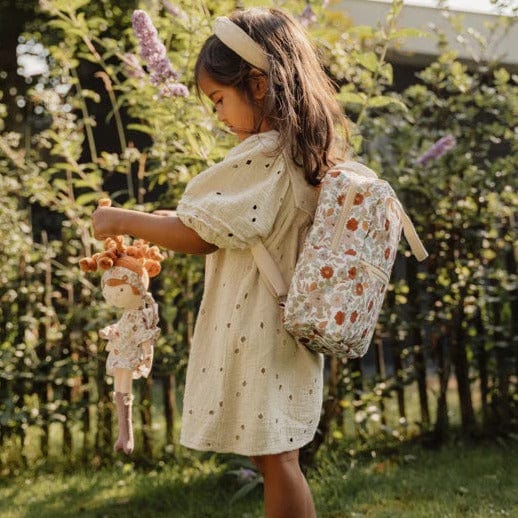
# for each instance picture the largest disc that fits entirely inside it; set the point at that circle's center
(119, 292)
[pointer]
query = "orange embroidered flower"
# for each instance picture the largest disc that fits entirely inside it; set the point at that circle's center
(326, 272)
(340, 317)
(313, 286)
(387, 224)
(352, 272)
(369, 307)
(350, 251)
(387, 252)
(358, 289)
(334, 174)
(341, 199)
(358, 199)
(364, 334)
(352, 224)
(354, 316)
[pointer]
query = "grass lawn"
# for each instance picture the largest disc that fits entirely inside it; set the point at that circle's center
(458, 480)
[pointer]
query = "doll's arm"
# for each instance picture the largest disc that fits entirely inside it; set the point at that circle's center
(166, 231)
(110, 332)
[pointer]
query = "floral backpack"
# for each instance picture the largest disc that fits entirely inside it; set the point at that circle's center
(337, 291)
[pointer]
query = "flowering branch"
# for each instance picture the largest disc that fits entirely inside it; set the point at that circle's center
(440, 148)
(153, 52)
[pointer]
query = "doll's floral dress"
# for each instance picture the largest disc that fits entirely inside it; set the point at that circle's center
(130, 342)
(250, 388)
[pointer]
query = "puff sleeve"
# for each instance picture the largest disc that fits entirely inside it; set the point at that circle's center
(235, 202)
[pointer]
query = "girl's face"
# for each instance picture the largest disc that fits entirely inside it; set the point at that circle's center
(233, 108)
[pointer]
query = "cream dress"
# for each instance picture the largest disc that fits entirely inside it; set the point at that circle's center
(250, 388)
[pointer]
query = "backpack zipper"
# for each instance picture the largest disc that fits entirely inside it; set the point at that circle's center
(377, 272)
(348, 203)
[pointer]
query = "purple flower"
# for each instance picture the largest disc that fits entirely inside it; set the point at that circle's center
(171, 89)
(132, 65)
(152, 49)
(245, 475)
(172, 9)
(440, 148)
(308, 16)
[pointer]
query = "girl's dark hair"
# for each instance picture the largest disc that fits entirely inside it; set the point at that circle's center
(300, 100)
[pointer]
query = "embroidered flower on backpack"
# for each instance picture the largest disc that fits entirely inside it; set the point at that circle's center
(358, 199)
(340, 318)
(326, 272)
(352, 224)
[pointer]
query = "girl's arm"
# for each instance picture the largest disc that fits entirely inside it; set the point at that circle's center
(165, 231)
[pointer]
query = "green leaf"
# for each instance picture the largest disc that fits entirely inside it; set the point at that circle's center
(87, 198)
(351, 98)
(386, 71)
(408, 33)
(368, 60)
(148, 130)
(381, 101)
(502, 76)
(363, 31)
(356, 142)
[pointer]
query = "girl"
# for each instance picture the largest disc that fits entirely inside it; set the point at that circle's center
(250, 388)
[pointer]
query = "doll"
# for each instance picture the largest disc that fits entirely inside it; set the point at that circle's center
(124, 283)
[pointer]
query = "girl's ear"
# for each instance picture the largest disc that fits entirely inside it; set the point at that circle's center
(258, 84)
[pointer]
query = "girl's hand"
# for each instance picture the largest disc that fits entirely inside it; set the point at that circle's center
(106, 222)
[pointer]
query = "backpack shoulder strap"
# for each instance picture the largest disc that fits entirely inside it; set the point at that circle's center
(416, 245)
(356, 167)
(269, 271)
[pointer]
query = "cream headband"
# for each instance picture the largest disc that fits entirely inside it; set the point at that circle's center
(241, 43)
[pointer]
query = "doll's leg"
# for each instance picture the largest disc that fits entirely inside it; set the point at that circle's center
(123, 399)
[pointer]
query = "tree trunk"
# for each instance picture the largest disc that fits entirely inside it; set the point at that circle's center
(145, 416)
(104, 433)
(86, 418)
(170, 410)
(482, 360)
(461, 367)
(415, 340)
(443, 371)
(382, 374)
(398, 373)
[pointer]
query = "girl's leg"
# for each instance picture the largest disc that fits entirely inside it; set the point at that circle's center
(123, 379)
(286, 491)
